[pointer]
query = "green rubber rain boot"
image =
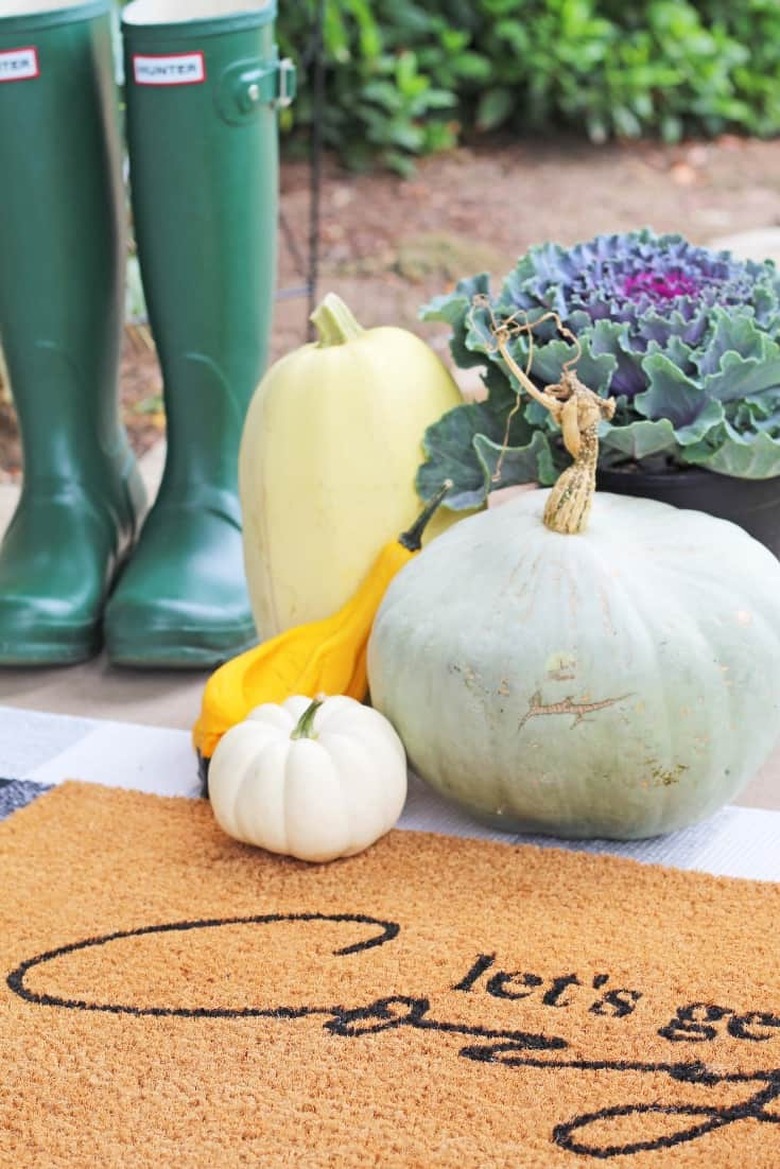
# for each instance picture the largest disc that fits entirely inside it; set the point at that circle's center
(62, 265)
(202, 93)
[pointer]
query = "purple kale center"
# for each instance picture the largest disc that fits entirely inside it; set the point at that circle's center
(660, 286)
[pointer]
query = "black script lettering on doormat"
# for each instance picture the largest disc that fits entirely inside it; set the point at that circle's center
(694, 1022)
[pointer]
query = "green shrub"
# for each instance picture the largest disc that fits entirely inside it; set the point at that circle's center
(389, 94)
(407, 77)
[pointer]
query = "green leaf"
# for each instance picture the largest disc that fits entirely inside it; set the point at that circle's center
(508, 466)
(400, 133)
(454, 308)
(449, 444)
(759, 409)
(439, 99)
(611, 337)
(450, 455)
(493, 108)
(740, 377)
(472, 67)
(736, 332)
(595, 370)
(384, 93)
(747, 456)
(626, 123)
(670, 394)
(707, 420)
(638, 440)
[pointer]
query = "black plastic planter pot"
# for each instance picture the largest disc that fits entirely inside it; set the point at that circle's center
(754, 504)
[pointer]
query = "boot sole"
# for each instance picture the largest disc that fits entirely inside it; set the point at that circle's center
(177, 654)
(52, 652)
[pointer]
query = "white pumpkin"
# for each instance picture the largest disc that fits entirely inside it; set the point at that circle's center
(311, 779)
(620, 682)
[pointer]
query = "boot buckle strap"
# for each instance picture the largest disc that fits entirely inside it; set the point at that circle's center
(287, 83)
(248, 85)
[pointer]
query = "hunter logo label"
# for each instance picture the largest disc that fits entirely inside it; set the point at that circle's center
(173, 69)
(19, 64)
(430, 1002)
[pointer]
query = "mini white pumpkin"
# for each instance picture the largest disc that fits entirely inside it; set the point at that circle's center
(314, 780)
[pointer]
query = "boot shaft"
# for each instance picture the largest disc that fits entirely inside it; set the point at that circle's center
(62, 227)
(202, 82)
(62, 266)
(201, 97)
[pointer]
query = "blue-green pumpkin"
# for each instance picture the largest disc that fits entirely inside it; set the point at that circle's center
(620, 682)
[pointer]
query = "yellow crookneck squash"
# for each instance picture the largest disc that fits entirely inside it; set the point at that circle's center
(325, 657)
(327, 463)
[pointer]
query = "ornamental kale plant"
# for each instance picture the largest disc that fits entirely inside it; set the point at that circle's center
(684, 338)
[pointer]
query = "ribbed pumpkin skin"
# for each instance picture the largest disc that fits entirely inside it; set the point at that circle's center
(620, 683)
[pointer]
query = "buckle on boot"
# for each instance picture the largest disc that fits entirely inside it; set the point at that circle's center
(247, 86)
(287, 79)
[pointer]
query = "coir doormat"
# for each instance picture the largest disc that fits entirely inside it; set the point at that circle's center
(171, 997)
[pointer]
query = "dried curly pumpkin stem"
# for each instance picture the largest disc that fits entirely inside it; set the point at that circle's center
(578, 411)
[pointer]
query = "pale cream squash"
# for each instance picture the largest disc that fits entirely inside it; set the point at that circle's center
(329, 453)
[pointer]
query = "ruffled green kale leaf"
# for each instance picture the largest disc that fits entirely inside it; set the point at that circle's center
(734, 332)
(671, 393)
(450, 446)
(639, 440)
(455, 309)
(595, 370)
(747, 456)
(507, 466)
(740, 377)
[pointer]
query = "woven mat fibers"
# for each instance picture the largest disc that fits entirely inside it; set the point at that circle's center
(171, 997)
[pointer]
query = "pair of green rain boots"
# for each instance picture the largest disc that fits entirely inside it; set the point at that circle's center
(84, 564)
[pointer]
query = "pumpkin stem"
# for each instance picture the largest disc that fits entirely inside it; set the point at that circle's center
(578, 411)
(412, 537)
(304, 728)
(334, 322)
